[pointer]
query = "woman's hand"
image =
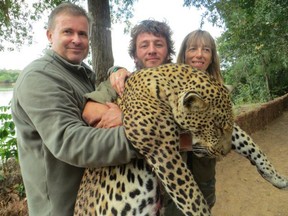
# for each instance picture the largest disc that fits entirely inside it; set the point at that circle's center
(118, 78)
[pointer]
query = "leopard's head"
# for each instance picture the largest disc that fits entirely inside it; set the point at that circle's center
(204, 108)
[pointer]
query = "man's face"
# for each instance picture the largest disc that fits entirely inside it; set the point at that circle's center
(69, 37)
(151, 50)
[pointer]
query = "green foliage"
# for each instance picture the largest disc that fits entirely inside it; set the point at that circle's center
(8, 142)
(250, 86)
(122, 11)
(8, 76)
(17, 18)
(20, 188)
(254, 29)
(253, 48)
(15, 28)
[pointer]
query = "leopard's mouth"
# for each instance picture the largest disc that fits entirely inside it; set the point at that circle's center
(202, 151)
(208, 152)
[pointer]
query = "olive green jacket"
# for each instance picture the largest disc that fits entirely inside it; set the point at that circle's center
(54, 143)
(104, 92)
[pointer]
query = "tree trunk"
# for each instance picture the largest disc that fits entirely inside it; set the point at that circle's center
(101, 42)
(265, 72)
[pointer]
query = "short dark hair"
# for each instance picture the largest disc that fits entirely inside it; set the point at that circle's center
(66, 8)
(156, 28)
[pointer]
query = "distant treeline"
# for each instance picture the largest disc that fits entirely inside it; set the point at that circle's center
(8, 76)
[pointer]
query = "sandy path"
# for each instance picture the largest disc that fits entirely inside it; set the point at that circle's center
(241, 191)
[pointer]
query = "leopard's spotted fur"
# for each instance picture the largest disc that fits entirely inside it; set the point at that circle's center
(157, 104)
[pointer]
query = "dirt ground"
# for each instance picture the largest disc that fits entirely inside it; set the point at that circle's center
(241, 191)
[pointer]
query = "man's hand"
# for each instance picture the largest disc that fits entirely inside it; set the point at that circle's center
(117, 80)
(93, 112)
(111, 118)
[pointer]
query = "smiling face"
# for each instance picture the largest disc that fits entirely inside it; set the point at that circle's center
(198, 49)
(151, 50)
(69, 37)
(199, 55)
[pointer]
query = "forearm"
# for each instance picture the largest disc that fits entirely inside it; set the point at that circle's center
(54, 120)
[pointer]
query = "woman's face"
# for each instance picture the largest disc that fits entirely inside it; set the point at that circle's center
(198, 56)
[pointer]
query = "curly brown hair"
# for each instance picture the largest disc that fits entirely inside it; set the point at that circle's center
(156, 28)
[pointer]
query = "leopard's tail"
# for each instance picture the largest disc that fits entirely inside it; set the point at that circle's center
(243, 144)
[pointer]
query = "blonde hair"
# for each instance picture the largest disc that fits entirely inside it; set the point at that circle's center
(203, 37)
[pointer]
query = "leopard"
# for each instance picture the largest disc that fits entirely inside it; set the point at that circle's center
(158, 105)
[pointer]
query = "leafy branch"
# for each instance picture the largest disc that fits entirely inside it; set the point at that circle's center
(8, 142)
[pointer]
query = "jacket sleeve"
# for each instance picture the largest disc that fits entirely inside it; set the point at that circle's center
(103, 93)
(52, 123)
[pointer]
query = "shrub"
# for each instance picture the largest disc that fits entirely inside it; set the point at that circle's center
(8, 142)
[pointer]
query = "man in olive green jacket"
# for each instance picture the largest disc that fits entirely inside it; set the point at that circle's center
(54, 143)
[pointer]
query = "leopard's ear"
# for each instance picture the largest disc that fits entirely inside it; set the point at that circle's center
(194, 102)
(230, 88)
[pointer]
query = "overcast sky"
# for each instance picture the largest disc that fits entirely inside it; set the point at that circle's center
(181, 20)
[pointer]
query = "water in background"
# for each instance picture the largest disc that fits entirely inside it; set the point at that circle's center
(5, 97)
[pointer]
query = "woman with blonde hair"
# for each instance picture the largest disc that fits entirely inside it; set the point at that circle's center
(195, 47)
(198, 49)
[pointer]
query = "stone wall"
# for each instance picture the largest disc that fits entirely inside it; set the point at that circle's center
(259, 117)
